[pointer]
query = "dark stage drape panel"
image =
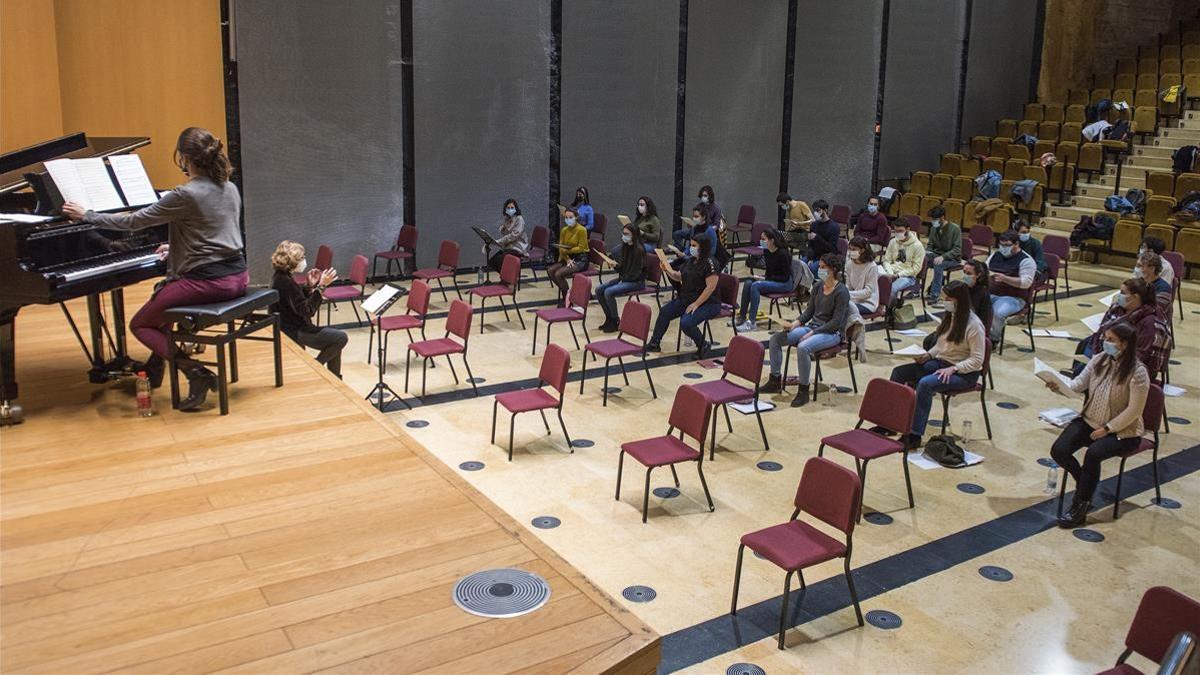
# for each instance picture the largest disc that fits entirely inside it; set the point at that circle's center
(998, 68)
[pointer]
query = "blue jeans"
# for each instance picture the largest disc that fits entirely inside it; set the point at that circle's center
(1003, 306)
(939, 274)
(817, 343)
(752, 291)
(927, 384)
(902, 284)
(689, 324)
(607, 292)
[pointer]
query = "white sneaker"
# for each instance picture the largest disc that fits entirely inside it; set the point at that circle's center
(687, 343)
(747, 327)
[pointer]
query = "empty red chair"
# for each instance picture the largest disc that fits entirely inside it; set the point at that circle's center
(458, 324)
(744, 359)
(886, 404)
(539, 242)
(556, 363)
(414, 317)
(447, 265)
(981, 237)
(575, 309)
(744, 224)
(1162, 614)
(405, 248)
(323, 262)
(635, 322)
(840, 214)
(348, 292)
(510, 279)
(1179, 267)
(833, 495)
(689, 415)
(979, 386)
(1061, 247)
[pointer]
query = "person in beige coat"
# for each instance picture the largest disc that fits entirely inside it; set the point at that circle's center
(1110, 423)
(903, 257)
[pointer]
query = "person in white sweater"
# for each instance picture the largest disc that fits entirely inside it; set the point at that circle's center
(862, 275)
(954, 362)
(1110, 424)
(903, 257)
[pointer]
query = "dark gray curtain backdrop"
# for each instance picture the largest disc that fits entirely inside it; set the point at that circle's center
(322, 119)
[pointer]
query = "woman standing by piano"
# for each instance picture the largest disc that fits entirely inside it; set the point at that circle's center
(205, 258)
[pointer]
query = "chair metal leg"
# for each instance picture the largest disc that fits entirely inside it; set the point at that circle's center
(728, 422)
(761, 429)
(850, 362)
(470, 377)
(787, 589)
(452, 370)
(495, 403)
(424, 370)
(583, 325)
(712, 445)
(564, 430)
(222, 383)
(442, 288)
(1117, 492)
(407, 362)
(370, 343)
(233, 359)
(504, 306)
(800, 575)
(703, 483)
(482, 316)
(583, 370)
(278, 348)
(517, 309)
(674, 475)
(512, 424)
(1154, 468)
(620, 466)
(624, 375)
(645, 367)
(737, 579)
(987, 422)
(907, 480)
(545, 422)
(574, 335)
(646, 496)
(853, 592)
(604, 387)
(533, 348)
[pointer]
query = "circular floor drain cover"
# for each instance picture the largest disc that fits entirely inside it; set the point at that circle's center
(1179, 420)
(935, 422)
(1046, 462)
(476, 380)
(1007, 405)
(611, 390)
(995, 573)
(1166, 503)
(582, 443)
(1085, 534)
(693, 376)
(883, 619)
(1085, 304)
(1025, 350)
(639, 594)
(971, 488)
(501, 593)
(471, 466)
(416, 424)
(893, 340)
(666, 492)
(546, 522)
(877, 518)
(1175, 362)
(745, 669)
(770, 466)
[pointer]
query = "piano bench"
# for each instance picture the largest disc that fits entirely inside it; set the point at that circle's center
(222, 324)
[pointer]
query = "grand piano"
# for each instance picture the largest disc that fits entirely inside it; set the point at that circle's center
(55, 260)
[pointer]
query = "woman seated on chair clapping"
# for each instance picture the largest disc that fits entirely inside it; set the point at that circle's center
(955, 361)
(298, 304)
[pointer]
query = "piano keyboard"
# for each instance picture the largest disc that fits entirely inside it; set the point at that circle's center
(108, 266)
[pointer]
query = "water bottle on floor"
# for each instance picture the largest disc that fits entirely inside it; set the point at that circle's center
(145, 404)
(831, 396)
(1051, 479)
(964, 435)
(479, 275)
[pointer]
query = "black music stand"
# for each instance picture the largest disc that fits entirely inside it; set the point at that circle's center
(488, 243)
(376, 304)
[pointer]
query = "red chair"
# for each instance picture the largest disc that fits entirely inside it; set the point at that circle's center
(824, 355)
(539, 243)
(405, 248)
(575, 309)
(652, 283)
(510, 279)
(1152, 418)
(447, 266)
(727, 291)
(1179, 267)
(831, 494)
(1162, 614)
(840, 214)
(1061, 247)
(883, 309)
(743, 359)
(635, 322)
(886, 404)
(744, 224)
(556, 363)
(1048, 285)
(690, 416)
(348, 292)
(414, 317)
(323, 262)
(799, 275)
(980, 386)
(981, 237)
(596, 253)
(458, 324)
(1026, 313)
(599, 226)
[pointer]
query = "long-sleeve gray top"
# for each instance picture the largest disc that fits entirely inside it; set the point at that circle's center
(827, 313)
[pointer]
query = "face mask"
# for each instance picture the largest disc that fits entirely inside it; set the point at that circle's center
(823, 274)
(510, 212)
(642, 209)
(856, 255)
(302, 266)
(936, 223)
(872, 209)
(762, 243)
(1006, 251)
(819, 216)
(1024, 236)
(627, 238)
(1111, 348)
(970, 279)
(1121, 299)
(783, 206)
(1141, 250)
(1137, 273)
(900, 235)
(569, 221)
(704, 199)
(690, 251)
(949, 305)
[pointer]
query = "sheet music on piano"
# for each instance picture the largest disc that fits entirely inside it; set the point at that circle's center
(132, 179)
(85, 182)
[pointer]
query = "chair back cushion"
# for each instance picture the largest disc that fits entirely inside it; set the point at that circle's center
(746, 215)
(540, 238)
(653, 270)
(448, 254)
(690, 413)
(510, 271)
(324, 257)
(1056, 244)
(581, 292)
(1053, 263)
(418, 298)
(459, 320)
(727, 289)
(358, 269)
(1152, 413)
(556, 362)
(407, 238)
(635, 320)
(1161, 615)
(830, 493)
(744, 358)
(889, 405)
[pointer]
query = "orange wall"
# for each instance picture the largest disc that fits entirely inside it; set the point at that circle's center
(30, 107)
(127, 68)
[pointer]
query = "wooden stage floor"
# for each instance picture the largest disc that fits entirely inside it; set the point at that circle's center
(302, 532)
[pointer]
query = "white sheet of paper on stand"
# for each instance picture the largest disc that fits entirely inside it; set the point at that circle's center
(1172, 390)
(1046, 332)
(131, 176)
(1093, 322)
(912, 332)
(380, 298)
(747, 408)
(1059, 417)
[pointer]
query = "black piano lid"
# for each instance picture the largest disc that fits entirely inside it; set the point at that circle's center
(17, 163)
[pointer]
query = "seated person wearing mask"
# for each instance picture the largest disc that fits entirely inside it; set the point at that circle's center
(298, 304)
(1156, 245)
(777, 278)
(873, 225)
(1135, 305)
(572, 253)
(1149, 267)
(903, 257)
(512, 239)
(862, 275)
(648, 225)
(1031, 245)
(697, 300)
(822, 235)
(1012, 273)
(797, 218)
(582, 206)
(712, 217)
(631, 275)
(943, 251)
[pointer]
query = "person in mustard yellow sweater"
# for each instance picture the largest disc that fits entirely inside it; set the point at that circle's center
(572, 252)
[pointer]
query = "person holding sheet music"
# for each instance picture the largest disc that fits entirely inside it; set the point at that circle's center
(1134, 304)
(631, 275)
(572, 252)
(648, 225)
(204, 254)
(298, 304)
(712, 217)
(512, 239)
(697, 300)
(1110, 423)
(582, 206)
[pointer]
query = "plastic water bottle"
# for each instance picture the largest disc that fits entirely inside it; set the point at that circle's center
(479, 275)
(145, 404)
(965, 435)
(1051, 479)
(831, 396)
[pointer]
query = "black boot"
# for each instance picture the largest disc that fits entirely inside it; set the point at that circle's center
(801, 396)
(653, 347)
(200, 381)
(1076, 516)
(154, 367)
(774, 385)
(610, 325)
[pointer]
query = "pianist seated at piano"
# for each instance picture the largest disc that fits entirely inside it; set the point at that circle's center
(205, 258)
(298, 304)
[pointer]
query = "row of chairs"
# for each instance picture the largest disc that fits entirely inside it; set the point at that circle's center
(914, 207)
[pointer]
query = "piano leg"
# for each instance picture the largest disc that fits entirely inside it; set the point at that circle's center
(10, 412)
(118, 313)
(120, 364)
(97, 374)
